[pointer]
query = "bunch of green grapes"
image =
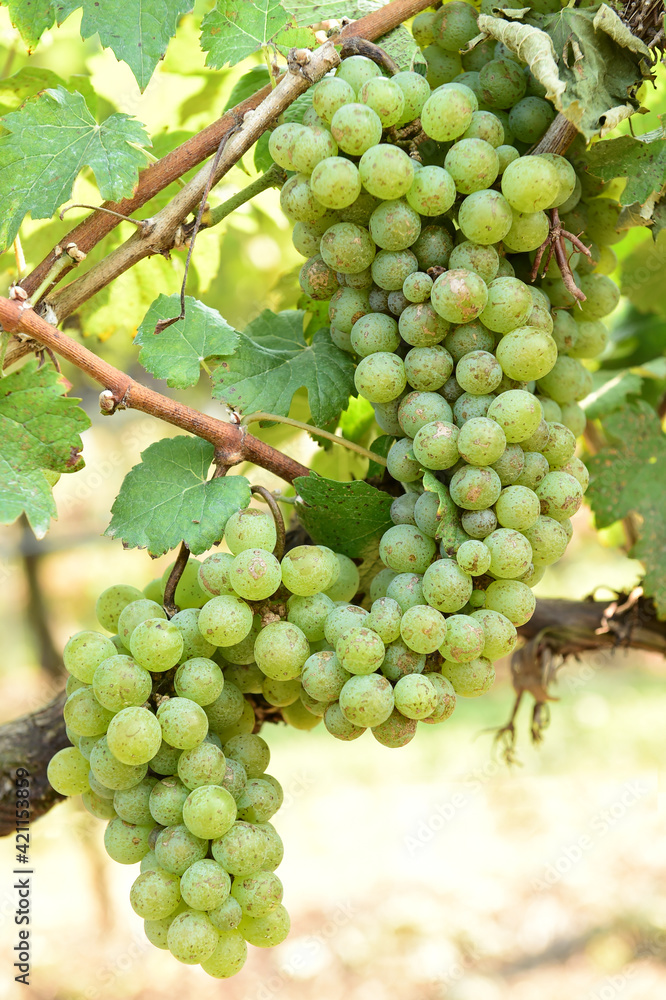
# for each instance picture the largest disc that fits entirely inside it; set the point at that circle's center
(424, 251)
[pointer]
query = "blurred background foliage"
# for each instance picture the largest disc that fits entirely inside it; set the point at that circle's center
(427, 873)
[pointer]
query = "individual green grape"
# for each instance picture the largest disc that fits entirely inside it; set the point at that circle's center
(84, 715)
(298, 202)
(109, 605)
(67, 772)
(426, 513)
(540, 317)
(280, 693)
(528, 183)
(202, 765)
(260, 798)
(255, 574)
(341, 620)
(560, 495)
(132, 804)
(548, 540)
(406, 590)
(433, 191)
(527, 353)
(485, 217)
(318, 279)
(508, 306)
(367, 700)
(436, 445)
(567, 381)
(199, 679)
(478, 524)
(134, 735)
(380, 583)
(134, 614)
(347, 581)
(464, 639)
(534, 469)
(111, 772)
(225, 620)
(166, 801)
(229, 955)
(386, 415)
(313, 145)
(420, 408)
(428, 368)
(446, 699)
(415, 696)
(155, 894)
(309, 569)
(506, 155)
(473, 164)
(415, 91)
(469, 336)
(500, 634)
(258, 894)
(448, 112)
(189, 592)
(456, 25)
(601, 222)
(396, 731)
(529, 118)
(309, 613)
(475, 489)
(227, 709)
(405, 549)
(380, 377)
(328, 95)
(102, 790)
(386, 99)
(191, 937)
(400, 661)
(156, 645)
(235, 778)
(511, 553)
(502, 83)
(487, 126)
(473, 557)
(397, 303)
(281, 650)
(335, 182)
(359, 651)
(421, 326)
(324, 676)
(470, 679)
(575, 468)
(266, 932)
(214, 570)
(74, 684)
(246, 529)
(386, 172)
(391, 268)
(433, 247)
(120, 682)
(445, 586)
(194, 644)
(601, 296)
(84, 652)
(417, 287)
(511, 598)
(528, 231)
(459, 296)
(346, 306)
(442, 66)
(510, 465)
(251, 752)
(422, 629)
(565, 172)
(340, 727)
(209, 811)
(357, 70)
(373, 333)
(205, 885)
(482, 260)
(283, 144)
(126, 843)
(97, 806)
(226, 916)
(517, 507)
(247, 677)
(184, 723)
(468, 406)
(402, 509)
(517, 412)
(481, 441)
(384, 619)
(241, 850)
(560, 446)
(355, 128)
(347, 248)
(394, 225)
(478, 373)
(574, 417)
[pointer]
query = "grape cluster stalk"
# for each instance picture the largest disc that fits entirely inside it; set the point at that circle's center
(421, 213)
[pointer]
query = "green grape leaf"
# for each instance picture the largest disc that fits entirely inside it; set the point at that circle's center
(137, 31)
(31, 18)
(273, 361)
(314, 11)
(380, 446)
(252, 81)
(348, 517)
(16, 89)
(611, 390)
(50, 139)
(177, 353)
(263, 160)
(357, 419)
(235, 29)
(294, 38)
(167, 499)
(642, 163)
(629, 476)
(643, 277)
(40, 429)
(400, 45)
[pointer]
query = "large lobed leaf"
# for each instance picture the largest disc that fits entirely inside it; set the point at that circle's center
(273, 361)
(177, 353)
(629, 476)
(51, 138)
(31, 18)
(235, 29)
(348, 517)
(642, 163)
(40, 428)
(167, 498)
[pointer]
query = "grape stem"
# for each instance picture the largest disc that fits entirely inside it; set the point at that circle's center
(357, 46)
(169, 602)
(554, 244)
(268, 498)
(253, 418)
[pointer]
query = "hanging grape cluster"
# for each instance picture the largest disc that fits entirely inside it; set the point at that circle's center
(421, 211)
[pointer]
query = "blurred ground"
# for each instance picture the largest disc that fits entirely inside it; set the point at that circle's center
(429, 872)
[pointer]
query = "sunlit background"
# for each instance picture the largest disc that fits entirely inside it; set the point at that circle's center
(427, 872)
